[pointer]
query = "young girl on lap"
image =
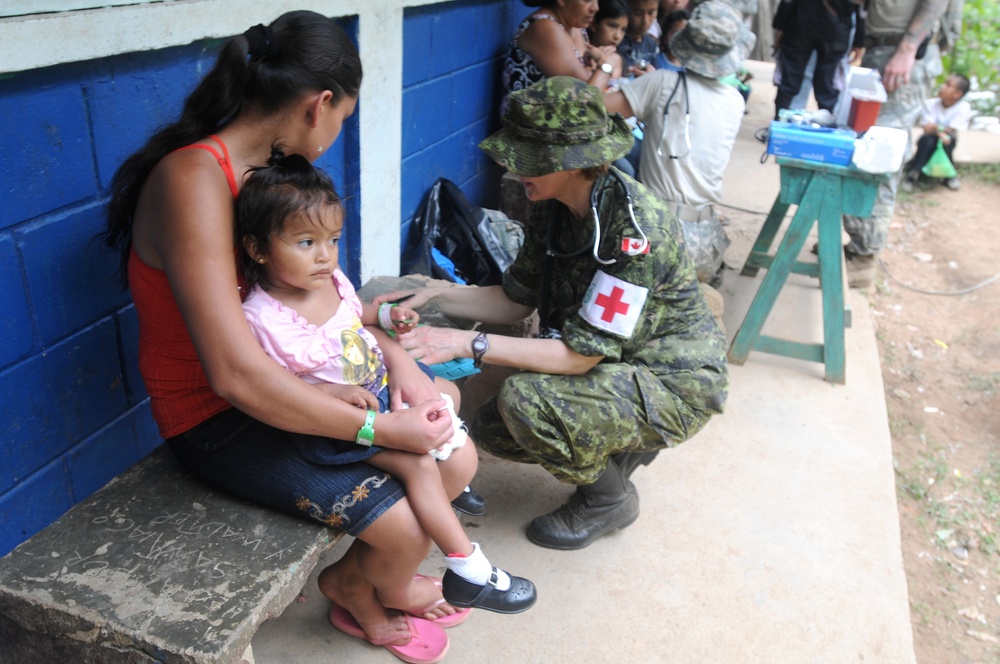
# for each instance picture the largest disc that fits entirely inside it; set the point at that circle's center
(306, 315)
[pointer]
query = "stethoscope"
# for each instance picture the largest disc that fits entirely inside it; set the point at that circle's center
(596, 197)
(597, 194)
(681, 80)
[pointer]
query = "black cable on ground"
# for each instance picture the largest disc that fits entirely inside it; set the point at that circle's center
(963, 291)
(885, 268)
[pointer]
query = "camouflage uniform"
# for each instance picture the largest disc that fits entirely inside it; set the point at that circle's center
(653, 390)
(900, 111)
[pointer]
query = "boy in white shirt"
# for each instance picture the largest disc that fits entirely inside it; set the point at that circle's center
(943, 117)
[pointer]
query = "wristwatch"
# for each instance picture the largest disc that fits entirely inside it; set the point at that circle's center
(606, 68)
(479, 347)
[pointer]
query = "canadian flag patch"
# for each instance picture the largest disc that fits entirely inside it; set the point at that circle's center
(613, 305)
(634, 246)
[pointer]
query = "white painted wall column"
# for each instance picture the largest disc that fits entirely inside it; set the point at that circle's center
(380, 27)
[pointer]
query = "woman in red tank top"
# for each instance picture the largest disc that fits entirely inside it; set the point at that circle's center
(223, 405)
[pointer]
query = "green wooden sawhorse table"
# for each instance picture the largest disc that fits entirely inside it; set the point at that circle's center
(823, 193)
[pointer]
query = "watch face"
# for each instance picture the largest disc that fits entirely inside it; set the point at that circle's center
(479, 344)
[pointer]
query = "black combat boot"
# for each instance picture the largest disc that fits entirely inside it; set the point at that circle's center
(629, 461)
(594, 510)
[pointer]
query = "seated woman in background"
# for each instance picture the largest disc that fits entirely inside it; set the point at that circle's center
(552, 41)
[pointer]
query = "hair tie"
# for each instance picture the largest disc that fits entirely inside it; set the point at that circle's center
(259, 40)
(293, 163)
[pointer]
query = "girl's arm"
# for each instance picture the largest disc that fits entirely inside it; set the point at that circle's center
(407, 382)
(186, 227)
(401, 319)
(486, 304)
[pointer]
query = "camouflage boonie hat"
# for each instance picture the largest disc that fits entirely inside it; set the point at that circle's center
(557, 124)
(744, 7)
(709, 43)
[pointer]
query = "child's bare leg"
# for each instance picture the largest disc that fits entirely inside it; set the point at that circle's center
(378, 572)
(458, 469)
(471, 579)
(426, 493)
(451, 389)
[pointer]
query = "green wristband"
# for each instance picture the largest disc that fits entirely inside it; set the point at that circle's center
(366, 434)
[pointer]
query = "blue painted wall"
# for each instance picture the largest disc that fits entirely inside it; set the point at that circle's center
(451, 95)
(73, 411)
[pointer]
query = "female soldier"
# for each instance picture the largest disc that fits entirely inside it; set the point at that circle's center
(629, 360)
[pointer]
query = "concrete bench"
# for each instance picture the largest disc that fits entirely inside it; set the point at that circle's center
(157, 567)
(154, 567)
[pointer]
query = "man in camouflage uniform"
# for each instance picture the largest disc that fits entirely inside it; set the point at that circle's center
(631, 360)
(691, 122)
(895, 35)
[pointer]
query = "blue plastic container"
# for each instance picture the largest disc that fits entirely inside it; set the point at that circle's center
(822, 144)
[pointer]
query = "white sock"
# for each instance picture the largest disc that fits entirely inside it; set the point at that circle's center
(475, 568)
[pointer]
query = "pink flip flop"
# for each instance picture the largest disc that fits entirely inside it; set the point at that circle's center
(428, 642)
(456, 618)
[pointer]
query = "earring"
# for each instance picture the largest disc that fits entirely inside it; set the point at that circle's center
(260, 260)
(319, 149)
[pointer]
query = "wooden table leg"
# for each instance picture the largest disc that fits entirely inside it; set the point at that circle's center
(831, 265)
(762, 246)
(784, 259)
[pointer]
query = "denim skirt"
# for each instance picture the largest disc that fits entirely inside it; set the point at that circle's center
(236, 454)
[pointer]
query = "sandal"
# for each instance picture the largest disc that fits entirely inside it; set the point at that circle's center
(428, 643)
(456, 618)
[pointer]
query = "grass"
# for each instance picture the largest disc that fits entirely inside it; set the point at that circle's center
(986, 383)
(902, 426)
(957, 510)
(922, 610)
(917, 483)
(988, 173)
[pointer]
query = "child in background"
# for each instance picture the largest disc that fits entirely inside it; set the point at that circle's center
(638, 49)
(670, 24)
(943, 117)
(307, 317)
(666, 7)
(608, 29)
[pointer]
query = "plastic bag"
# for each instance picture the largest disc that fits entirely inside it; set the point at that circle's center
(939, 166)
(453, 239)
(880, 150)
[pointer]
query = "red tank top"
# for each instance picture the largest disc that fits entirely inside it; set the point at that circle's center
(180, 396)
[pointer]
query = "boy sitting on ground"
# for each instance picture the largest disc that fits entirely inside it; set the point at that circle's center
(943, 117)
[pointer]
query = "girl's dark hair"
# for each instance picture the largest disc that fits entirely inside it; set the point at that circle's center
(609, 9)
(288, 185)
(265, 68)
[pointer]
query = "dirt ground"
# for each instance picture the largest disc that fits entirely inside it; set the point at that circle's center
(941, 368)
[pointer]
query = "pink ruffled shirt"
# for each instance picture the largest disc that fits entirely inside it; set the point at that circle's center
(316, 353)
